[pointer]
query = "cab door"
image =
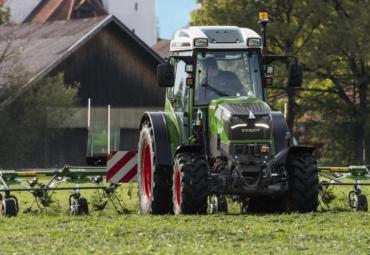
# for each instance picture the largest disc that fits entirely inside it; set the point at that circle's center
(178, 98)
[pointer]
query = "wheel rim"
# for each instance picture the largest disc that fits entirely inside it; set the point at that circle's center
(353, 201)
(146, 174)
(177, 188)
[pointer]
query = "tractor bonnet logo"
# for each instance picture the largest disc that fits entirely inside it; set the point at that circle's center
(250, 130)
(122, 167)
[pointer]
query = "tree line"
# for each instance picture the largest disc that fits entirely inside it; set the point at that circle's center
(33, 114)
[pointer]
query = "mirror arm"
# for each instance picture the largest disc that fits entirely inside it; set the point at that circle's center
(187, 59)
(268, 59)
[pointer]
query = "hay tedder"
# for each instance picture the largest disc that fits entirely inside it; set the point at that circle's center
(345, 176)
(57, 180)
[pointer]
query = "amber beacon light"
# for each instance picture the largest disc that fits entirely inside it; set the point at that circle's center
(263, 17)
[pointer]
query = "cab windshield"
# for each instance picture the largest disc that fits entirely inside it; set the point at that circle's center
(227, 73)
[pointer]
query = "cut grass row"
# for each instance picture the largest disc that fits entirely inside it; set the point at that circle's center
(334, 231)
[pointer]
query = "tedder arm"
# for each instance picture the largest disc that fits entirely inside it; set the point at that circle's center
(42, 193)
(333, 176)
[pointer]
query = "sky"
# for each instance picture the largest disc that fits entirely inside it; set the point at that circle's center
(172, 15)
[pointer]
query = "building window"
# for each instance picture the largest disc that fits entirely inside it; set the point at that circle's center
(136, 6)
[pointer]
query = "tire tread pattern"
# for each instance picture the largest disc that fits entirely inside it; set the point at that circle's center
(303, 183)
(194, 183)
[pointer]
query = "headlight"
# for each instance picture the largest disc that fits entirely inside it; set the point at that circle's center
(265, 119)
(262, 125)
(254, 42)
(234, 119)
(201, 42)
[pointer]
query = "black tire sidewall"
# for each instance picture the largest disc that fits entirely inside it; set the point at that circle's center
(302, 197)
(193, 172)
(9, 207)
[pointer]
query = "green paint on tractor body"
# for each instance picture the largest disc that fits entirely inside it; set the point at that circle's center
(216, 121)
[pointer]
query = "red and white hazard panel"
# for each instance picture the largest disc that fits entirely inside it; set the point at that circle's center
(122, 167)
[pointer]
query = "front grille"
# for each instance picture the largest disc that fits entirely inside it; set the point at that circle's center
(241, 109)
(250, 153)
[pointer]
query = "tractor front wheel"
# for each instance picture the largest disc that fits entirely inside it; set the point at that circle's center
(155, 195)
(190, 186)
(303, 182)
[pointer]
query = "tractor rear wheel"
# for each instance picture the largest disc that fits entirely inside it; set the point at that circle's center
(155, 194)
(190, 186)
(303, 182)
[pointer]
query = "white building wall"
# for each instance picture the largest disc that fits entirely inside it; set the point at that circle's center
(20, 9)
(137, 15)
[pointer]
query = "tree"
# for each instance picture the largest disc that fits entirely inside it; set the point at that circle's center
(344, 49)
(26, 121)
(4, 13)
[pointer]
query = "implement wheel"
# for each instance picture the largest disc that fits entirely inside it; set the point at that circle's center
(155, 194)
(78, 205)
(217, 204)
(357, 201)
(83, 207)
(9, 207)
(190, 186)
(303, 183)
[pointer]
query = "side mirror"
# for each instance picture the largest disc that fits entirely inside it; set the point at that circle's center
(165, 75)
(295, 75)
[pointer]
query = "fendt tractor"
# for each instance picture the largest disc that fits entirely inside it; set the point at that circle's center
(217, 137)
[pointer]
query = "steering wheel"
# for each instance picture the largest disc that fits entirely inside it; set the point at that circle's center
(215, 92)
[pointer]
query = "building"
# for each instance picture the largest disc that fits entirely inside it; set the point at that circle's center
(162, 47)
(112, 65)
(138, 15)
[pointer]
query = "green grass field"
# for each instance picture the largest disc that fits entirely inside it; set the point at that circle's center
(333, 231)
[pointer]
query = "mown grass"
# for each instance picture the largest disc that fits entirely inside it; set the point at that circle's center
(333, 231)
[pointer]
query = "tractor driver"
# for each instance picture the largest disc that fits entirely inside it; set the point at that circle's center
(215, 83)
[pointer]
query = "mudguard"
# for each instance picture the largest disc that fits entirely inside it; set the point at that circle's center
(162, 147)
(281, 158)
(280, 131)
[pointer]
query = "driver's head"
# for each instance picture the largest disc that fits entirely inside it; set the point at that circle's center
(210, 65)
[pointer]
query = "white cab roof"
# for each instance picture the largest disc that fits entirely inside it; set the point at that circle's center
(219, 37)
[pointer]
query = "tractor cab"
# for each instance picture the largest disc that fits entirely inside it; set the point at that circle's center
(216, 75)
(227, 74)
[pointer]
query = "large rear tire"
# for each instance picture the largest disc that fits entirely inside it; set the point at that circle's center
(190, 185)
(155, 194)
(303, 183)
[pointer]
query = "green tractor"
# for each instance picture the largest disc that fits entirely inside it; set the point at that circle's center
(218, 137)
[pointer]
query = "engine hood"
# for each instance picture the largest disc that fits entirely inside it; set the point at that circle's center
(239, 106)
(240, 119)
